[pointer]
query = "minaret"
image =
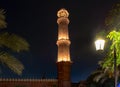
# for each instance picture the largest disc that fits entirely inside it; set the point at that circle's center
(63, 43)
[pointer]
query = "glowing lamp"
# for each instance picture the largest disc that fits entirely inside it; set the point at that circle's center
(99, 44)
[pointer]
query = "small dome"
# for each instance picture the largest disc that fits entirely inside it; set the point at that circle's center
(62, 13)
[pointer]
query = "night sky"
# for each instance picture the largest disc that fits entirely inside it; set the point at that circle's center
(35, 20)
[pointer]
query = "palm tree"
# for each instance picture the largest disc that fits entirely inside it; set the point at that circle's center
(107, 64)
(13, 43)
(100, 78)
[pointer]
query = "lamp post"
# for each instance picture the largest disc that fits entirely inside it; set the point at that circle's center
(99, 44)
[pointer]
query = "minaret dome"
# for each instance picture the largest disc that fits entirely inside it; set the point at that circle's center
(62, 13)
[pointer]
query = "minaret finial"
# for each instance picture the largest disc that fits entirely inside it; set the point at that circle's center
(63, 13)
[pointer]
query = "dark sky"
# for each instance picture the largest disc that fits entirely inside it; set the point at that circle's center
(35, 20)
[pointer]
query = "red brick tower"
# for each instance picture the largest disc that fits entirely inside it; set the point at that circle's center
(63, 43)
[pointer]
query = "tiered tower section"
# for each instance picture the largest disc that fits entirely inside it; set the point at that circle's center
(63, 43)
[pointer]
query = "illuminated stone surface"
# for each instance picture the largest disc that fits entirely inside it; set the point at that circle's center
(63, 43)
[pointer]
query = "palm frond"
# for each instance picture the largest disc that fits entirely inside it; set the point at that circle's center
(13, 63)
(3, 23)
(98, 77)
(102, 80)
(14, 42)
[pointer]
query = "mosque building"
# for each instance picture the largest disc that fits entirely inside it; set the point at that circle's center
(63, 61)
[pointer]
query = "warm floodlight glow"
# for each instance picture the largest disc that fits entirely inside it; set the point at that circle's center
(63, 59)
(62, 37)
(99, 44)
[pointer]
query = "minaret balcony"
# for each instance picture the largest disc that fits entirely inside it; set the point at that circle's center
(63, 20)
(63, 41)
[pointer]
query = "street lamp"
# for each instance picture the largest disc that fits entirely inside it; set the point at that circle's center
(99, 44)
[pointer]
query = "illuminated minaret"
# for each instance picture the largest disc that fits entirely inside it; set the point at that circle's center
(63, 43)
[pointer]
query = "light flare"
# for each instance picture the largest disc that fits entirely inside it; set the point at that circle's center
(100, 44)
